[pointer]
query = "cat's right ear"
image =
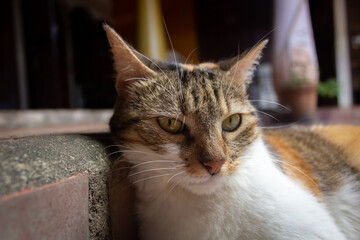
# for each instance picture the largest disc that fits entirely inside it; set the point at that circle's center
(128, 66)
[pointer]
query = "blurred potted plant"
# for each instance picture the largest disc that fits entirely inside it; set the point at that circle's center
(328, 92)
(299, 91)
(294, 57)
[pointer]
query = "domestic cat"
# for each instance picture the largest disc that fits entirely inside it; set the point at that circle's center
(202, 167)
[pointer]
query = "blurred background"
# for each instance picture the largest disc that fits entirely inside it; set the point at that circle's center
(55, 55)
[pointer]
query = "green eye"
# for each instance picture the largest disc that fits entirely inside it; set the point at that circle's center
(231, 123)
(170, 125)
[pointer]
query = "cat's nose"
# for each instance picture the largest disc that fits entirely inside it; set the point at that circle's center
(213, 166)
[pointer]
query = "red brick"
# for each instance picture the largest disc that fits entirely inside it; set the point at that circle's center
(54, 211)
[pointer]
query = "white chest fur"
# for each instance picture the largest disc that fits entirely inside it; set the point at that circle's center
(258, 202)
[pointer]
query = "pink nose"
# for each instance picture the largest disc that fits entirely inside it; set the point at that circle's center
(213, 167)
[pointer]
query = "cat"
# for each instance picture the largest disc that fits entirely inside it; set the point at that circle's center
(195, 163)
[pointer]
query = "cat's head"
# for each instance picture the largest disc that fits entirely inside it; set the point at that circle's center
(182, 124)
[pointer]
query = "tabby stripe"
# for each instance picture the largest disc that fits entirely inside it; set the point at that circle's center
(183, 75)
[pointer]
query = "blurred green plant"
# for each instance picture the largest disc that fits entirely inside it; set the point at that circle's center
(328, 88)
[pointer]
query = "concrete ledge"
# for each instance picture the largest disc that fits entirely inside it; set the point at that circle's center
(32, 162)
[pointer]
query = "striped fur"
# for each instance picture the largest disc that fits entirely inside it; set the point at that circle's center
(324, 160)
(295, 183)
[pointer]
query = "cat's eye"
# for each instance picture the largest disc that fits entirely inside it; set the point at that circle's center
(170, 125)
(231, 123)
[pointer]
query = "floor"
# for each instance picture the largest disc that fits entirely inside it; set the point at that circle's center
(39, 122)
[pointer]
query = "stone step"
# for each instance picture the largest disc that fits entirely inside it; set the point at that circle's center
(54, 187)
(55, 211)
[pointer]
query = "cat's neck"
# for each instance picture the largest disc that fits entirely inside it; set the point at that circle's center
(253, 194)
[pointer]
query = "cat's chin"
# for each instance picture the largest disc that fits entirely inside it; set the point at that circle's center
(204, 185)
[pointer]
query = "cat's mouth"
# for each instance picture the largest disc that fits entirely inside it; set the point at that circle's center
(204, 184)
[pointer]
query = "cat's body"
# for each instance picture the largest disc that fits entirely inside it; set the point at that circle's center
(203, 168)
(259, 201)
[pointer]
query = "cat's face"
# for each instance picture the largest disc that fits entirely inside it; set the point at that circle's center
(185, 124)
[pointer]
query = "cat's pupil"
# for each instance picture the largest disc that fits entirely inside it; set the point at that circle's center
(231, 123)
(170, 125)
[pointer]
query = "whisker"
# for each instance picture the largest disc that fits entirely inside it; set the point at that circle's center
(153, 62)
(267, 114)
(247, 54)
(281, 126)
(177, 174)
(183, 123)
(110, 154)
(172, 187)
(260, 41)
(126, 151)
(304, 174)
(288, 109)
(154, 161)
(232, 79)
(175, 183)
(151, 177)
(236, 89)
(176, 63)
(177, 117)
(132, 151)
(115, 145)
(190, 55)
(109, 146)
(263, 38)
(151, 170)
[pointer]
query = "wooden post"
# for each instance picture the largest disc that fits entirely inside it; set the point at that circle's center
(151, 36)
(343, 69)
(20, 55)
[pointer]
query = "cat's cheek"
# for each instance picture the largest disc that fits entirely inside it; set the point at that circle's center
(231, 167)
(130, 136)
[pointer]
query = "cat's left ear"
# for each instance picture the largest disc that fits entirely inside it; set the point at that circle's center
(128, 66)
(242, 71)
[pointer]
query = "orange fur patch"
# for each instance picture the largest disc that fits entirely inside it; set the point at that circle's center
(295, 166)
(347, 138)
(189, 67)
(208, 65)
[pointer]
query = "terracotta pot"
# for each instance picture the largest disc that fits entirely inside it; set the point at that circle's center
(302, 100)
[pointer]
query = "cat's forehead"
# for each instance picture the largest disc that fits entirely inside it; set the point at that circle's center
(163, 66)
(186, 75)
(202, 91)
